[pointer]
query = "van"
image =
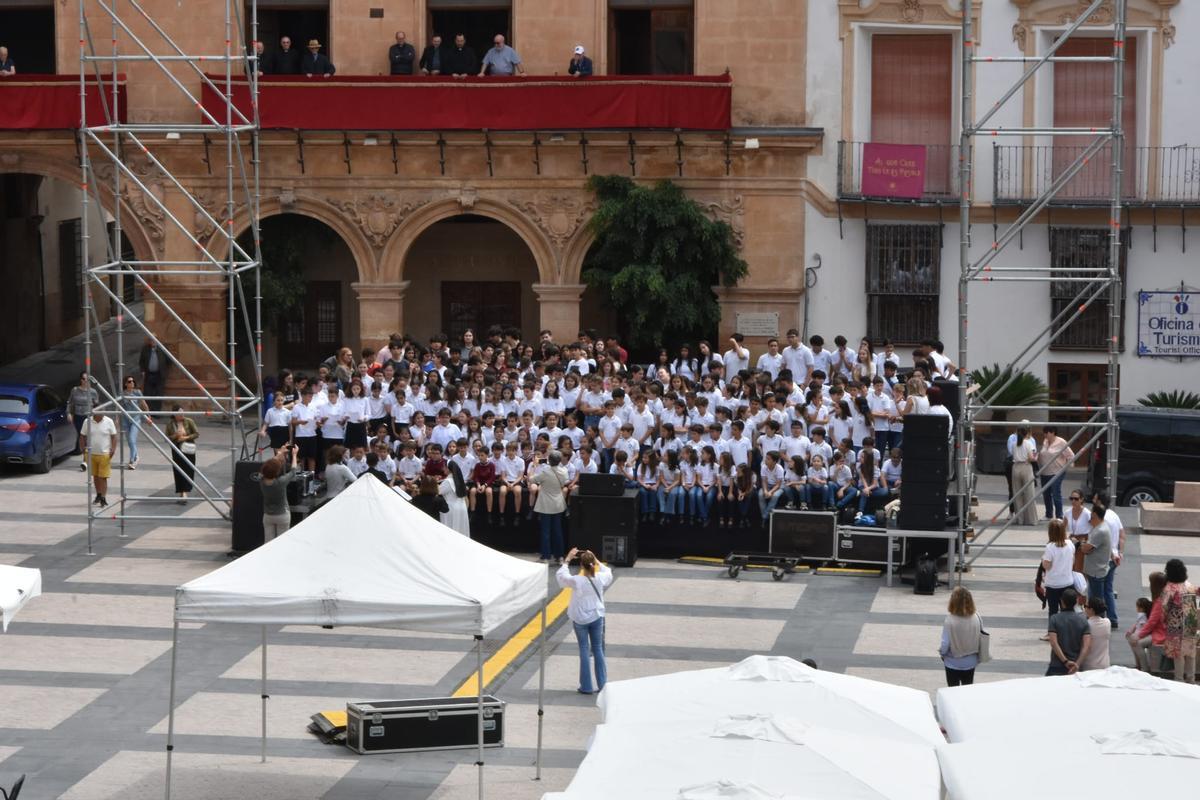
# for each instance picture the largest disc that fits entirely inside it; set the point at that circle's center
(1158, 446)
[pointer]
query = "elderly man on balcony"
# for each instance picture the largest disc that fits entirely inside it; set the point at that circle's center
(7, 67)
(501, 60)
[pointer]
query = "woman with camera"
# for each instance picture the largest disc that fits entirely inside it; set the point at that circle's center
(586, 612)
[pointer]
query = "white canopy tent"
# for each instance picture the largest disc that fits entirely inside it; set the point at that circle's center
(768, 726)
(1095, 702)
(18, 585)
(367, 558)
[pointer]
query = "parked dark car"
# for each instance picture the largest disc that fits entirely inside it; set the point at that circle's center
(34, 428)
(1158, 447)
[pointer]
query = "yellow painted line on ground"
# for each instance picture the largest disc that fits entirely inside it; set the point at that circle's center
(521, 641)
(847, 571)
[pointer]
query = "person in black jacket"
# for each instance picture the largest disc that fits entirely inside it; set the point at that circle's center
(315, 63)
(431, 59)
(460, 60)
(153, 364)
(428, 499)
(401, 56)
(284, 61)
(581, 65)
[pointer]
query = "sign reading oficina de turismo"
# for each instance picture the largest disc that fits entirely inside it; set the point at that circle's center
(1168, 324)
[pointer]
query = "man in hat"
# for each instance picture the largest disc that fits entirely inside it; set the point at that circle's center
(581, 65)
(315, 63)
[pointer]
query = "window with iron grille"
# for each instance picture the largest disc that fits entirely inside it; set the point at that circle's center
(1072, 251)
(903, 282)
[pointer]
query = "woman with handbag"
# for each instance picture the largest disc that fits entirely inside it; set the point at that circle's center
(183, 434)
(964, 642)
(551, 503)
(586, 612)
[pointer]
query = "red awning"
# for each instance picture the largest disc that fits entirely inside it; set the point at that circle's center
(499, 104)
(45, 102)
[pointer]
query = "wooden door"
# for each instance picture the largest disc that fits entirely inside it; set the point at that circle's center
(1076, 385)
(314, 332)
(1083, 96)
(478, 305)
(912, 82)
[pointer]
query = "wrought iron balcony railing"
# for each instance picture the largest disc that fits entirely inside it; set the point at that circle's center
(940, 176)
(1153, 176)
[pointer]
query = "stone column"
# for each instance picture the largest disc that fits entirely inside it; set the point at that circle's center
(558, 309)
(380, 310)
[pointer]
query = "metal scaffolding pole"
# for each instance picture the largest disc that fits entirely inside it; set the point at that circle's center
(1099, 283)
(206, 380)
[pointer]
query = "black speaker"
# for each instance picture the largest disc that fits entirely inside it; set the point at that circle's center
(920, 469)
(950, 397)
(925, 578)
(921, 516)
(927, 436)
(595, 519)
(601, 484)
(247, 507)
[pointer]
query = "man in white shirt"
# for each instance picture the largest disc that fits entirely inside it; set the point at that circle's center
(771, 361)
(445, 431)
(883, 408)
(738, 444)
(736, 358)
(98, 439)
(822, 359)
(642, 420)
(798, 359)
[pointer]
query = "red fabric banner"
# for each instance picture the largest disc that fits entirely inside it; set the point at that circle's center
(893, 170)
(499, 104)
(44, 102)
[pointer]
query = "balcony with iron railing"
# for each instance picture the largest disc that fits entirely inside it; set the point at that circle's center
(1152, 177)
(937, 183)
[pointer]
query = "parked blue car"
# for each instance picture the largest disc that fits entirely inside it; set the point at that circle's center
(34, 427)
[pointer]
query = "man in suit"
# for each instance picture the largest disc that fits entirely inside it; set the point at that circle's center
(460, 60)
(152, 362)
(431, 59)
(401, 56)
(581, 65)
(314, 63)
(284, 61)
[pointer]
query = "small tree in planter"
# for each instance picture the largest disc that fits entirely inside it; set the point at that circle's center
(656, 258)
(1173, 399)
(1025, 389)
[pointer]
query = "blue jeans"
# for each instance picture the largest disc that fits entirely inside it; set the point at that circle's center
(814, 496)
(702, 501)
(591, 637)
(670, 502)
(746, 503)
(883, 443)
(847, 498)
(767, 504)
(131, 431)
(1110, 599)
(1054, 600)
(1052, 495)
(1096, 586)
(646, 500)
(878, 493)
(552, 535)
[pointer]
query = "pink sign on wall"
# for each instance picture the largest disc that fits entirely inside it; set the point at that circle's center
(893, 170)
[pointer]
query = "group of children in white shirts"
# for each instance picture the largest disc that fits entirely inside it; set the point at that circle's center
(698, 446)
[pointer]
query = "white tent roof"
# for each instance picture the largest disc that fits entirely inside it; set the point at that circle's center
(1054, 761)
(686, 760)
(771, 685)
(18, 585)
(1096, 702)
(368, 557)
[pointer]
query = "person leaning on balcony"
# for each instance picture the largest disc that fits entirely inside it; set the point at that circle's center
(581, 65)
(7, 67)
(401, 56)
(284, 61)
(431, 59)
(459, 61)
(315, 63)
(501, 60)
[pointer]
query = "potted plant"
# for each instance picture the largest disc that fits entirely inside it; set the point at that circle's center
(1174, 399)
(1025, 389)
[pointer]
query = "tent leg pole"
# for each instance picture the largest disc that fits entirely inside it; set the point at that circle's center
(264, 694)
(541, 689)
(171, 707)
(479, 709)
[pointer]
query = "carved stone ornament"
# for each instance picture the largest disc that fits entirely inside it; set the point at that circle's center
(10, 159)
(1101, 16)
(152, 217)
(731, 211)
(378, 215)
(1168, 35)
(558, 215)
(1020, 34)
(911, 11)
(467, 195)
(214, 203)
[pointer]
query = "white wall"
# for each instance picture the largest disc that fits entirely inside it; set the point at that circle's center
(1003, 318)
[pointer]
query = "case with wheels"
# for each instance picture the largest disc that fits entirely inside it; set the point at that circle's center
(439, 723)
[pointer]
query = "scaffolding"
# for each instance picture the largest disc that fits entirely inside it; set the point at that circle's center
(209, 385)
(1099, 283)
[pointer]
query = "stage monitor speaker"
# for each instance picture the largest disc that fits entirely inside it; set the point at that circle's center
(601, 484)
(924, 494)
(618, 550)
(926, 435)
(812, 535)
(920, 469)
(595, 518)
(921, 516)
(247, 507)
(950, 396)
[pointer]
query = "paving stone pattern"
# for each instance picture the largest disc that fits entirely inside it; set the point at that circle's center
(84, 670)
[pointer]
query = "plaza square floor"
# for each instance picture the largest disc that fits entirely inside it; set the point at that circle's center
(84, 668)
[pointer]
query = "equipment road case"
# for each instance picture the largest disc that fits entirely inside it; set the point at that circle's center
(436, 723)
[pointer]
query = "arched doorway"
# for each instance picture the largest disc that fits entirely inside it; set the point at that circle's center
(42, 258)
(469, 271)
(309, 307)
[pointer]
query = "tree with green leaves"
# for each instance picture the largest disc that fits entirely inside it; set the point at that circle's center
(656, 258)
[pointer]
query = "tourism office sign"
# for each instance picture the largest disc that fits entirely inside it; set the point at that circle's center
(1168, 324)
